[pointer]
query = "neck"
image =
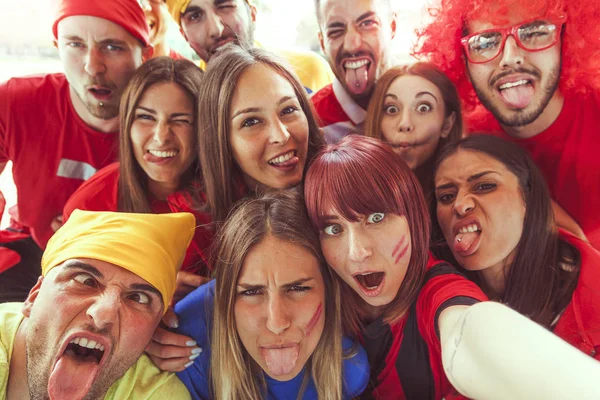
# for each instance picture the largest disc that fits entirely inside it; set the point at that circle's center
(369, 313)
(494, 280)
(17, 378)
(543, 122)
(98, 124)
(162, 190)
(161, 49)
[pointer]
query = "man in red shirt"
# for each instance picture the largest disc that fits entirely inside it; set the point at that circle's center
(355, 36)
(534, 68)
(59, 129)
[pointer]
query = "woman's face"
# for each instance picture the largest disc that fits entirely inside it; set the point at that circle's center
(280, 306)
(413, 119)
(268, 129)
(480, 209)
(370, 255)
(163, 135)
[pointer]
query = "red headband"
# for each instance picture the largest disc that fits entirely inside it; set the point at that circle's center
(126, 13)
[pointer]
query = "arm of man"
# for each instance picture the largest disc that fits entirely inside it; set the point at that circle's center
(492, 352)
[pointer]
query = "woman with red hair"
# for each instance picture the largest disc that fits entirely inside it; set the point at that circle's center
(423, 324)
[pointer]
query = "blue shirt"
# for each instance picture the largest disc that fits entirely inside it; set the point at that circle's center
(195, 319)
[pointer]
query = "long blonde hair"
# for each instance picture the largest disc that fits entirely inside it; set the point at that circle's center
(234, 373)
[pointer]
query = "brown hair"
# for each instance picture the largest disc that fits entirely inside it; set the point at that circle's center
(337, 179)
(536, 284)
(234, 373)
(222, 177)
(133, 181)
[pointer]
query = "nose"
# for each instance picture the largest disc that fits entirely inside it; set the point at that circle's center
(94, 63)
(277, 320)
(279, 133)
(463, 204)
(214, 25)
(512, 54)
(359, 248)
(162, 132)
(352, 40)
(406, 125)
(105, 309)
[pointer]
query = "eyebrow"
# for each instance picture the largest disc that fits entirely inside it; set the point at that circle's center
(146, 287)
(469, 179)
(423, 93)
(286, 285)
(257, 109)
(151, 111)
(103, 41)
(337, 24)
(366, 15)
(192, 9)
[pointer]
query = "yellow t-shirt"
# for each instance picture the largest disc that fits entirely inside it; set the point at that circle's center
(142, 381)
(312, 69)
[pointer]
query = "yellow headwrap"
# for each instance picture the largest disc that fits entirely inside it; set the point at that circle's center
(152, 246)
(178, 7)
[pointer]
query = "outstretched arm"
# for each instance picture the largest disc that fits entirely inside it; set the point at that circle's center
(492, 352)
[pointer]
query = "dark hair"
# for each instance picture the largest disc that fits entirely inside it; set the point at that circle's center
(133, 181)
(337, 179)
(536, 283)
(222, 177)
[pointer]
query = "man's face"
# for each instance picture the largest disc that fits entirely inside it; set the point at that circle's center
(88, 321)
(210, 24)
(99, 57)
(518, 85)
(157, 17)
(355, 35)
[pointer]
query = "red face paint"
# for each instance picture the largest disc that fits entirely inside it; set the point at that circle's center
(313, 321)
(400, 249)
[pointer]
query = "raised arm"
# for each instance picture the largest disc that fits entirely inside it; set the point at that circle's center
(492, 352)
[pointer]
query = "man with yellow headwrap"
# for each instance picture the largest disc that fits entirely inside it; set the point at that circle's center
(210, 24)
(107, 279)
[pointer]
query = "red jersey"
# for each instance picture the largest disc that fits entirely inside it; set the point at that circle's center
(567, 153)
(338, 114)
(52, 149)
(406, 357)
(579, 324)
(100, 193)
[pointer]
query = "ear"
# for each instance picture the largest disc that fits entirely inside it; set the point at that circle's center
(253, 12)
(148, 52)
(394, 18)
(55, 44)
(448, 125)
(320, 35)
(33, 294)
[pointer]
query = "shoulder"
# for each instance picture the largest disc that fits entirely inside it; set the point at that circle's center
(324, 96)
(195, 312)
(356, 368)
(99, 193)
(34, 86)
(145, 381)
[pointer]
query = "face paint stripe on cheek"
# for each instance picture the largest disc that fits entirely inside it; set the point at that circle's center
(314, 319)
(400, 253)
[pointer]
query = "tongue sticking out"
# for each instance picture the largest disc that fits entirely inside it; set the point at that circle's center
(357, 78)
(72, 377)
(280, 361)
(517, 96)
(463, 241)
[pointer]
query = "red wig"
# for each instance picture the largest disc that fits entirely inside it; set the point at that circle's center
(359, 176)
(439, 41)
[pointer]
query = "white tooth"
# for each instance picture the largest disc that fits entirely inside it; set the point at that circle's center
(355, 64)
(83, 342)
(98, 345)
(91, 344)
(462, 230)
(163, 154)
(470, 229)
(101, 348)
(513, 84)
(76, 340)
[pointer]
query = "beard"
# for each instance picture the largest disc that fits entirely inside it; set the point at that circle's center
(522, 117)
(108, 109)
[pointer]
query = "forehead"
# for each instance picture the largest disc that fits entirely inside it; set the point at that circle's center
(465, 163)
(260, 83)
(204, 4)
(167, 95)
(279, 261)
(409, 86)
(99, 28)
(109, 271)
(350, 10)
(500, 20)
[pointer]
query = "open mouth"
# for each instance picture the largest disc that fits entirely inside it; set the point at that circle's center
(370, 282)
(85, 350)
(467, 239)
(517, 94)
(357, 74)
(288, 159)
(163, 153)
(101, 93)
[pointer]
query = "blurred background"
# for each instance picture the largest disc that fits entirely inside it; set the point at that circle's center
(26, 41)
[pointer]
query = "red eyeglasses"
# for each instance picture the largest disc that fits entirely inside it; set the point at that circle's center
(534, 35)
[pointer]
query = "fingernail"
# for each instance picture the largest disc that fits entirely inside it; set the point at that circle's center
(173, 323)
(194, 356)
(188, 364)
(190, 343)
(197, 350)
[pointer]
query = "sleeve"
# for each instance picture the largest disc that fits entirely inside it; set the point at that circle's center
(355, 368)
(195, 313)
(99, 193)
(173, 388)
(4, 119)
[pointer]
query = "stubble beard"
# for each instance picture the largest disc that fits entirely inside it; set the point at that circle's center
(106, 111)
(521, 117)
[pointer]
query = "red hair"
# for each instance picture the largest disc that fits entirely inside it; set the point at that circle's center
(440, 40)
(359, 176)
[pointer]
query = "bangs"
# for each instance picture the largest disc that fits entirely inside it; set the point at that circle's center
(351, 183)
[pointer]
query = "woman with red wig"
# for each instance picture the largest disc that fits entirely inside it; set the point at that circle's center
(423, 324)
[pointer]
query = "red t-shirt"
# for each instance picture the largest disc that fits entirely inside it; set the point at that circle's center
(53, 151)
(100, 193)
(579, 324)
(567, 153)
(406, 358)
(175, 55)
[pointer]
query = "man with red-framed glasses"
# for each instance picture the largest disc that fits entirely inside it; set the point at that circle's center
(535, 68)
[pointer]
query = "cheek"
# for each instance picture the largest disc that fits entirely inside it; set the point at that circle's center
(334, 254)
(387, 126)
(139, 137)
(401, 248)
(248, 319)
